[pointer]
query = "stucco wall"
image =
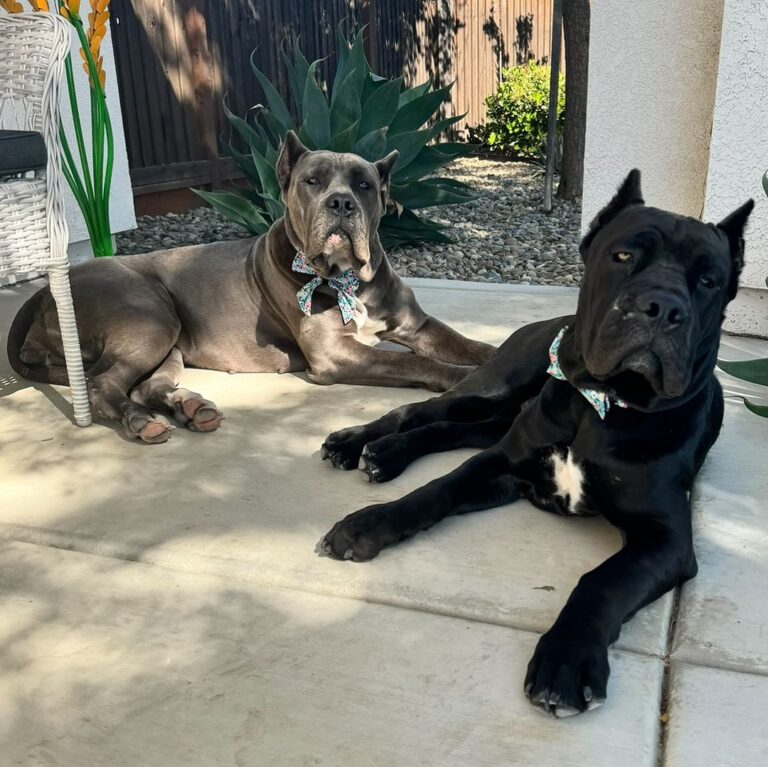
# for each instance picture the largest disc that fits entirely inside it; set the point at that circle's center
(739, 150)
(652, 76)
(121, 199)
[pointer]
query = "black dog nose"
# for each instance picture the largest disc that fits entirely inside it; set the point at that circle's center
(663, 308)
(343, 204)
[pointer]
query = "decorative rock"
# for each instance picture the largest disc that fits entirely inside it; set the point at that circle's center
(503, 236)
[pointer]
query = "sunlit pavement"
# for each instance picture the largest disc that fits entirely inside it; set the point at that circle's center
(164, 605)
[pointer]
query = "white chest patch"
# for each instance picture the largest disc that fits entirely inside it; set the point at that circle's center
(568, 478)
(366, 327)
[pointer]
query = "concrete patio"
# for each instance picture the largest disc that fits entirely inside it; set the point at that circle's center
(163, 605)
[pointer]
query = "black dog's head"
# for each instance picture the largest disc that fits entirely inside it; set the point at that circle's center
(333, 204)
(653, 296)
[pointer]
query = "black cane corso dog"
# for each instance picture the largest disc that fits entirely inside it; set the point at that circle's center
(610, 412)
(314, 293)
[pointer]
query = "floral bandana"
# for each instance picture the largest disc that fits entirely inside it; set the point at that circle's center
(345, 285)
(599, 400)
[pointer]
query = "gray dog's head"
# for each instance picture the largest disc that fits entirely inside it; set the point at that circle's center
(653, 296)
(333, 204)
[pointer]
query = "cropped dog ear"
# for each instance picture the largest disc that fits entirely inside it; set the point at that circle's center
(384, 167)
(629, 193)
(733, 228)
(290, 151)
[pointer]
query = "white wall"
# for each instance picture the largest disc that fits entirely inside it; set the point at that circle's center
(121, 198)
(652, 76)
(739, 151)
(679, 90)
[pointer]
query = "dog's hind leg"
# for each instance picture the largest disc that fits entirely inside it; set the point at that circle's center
(387, 457)
(161, 391)
(482, 482)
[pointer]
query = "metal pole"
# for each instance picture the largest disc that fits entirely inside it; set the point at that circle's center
(554, 82)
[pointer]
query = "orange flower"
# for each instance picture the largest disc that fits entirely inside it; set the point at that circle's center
(97, 30)
(39, 5)
(12, 6)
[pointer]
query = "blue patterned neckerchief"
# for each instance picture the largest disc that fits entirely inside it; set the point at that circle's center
(345, 285)
(599, 400)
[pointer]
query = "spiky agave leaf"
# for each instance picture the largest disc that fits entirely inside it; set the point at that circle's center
(363, 113)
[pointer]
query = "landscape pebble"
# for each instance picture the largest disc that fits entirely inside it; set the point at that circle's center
(502, 236)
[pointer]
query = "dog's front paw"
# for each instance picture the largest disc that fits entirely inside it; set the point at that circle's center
(343, 448)
(384, 459)
(152, 428)
(567, 674)
(359, 536)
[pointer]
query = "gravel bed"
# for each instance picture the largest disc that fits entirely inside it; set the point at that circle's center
(502, 236)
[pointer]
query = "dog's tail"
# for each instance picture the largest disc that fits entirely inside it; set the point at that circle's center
(17, 335)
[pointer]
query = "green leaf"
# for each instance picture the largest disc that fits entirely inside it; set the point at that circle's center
(274, 99)
(345, 109)
(408, 144)
(371, 85)
(277, 129)
(342, 56)
(316, 122)
(454, 150)
(355, 64)
(413, 93)
(236, 209)
(293, 79)
(372, 146)
(344, 141)
(273, 207)
(426, 194)
(409, 228)
(381, 106)
(445, 123)
(761, 410)
(245, 163)
(249, 135)
(754, 371)
(267, 175)
(416, 112)
(427, 161)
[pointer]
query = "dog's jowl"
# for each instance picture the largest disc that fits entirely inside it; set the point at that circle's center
(611, 411)
(313, 294)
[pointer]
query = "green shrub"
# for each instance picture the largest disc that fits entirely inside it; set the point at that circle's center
(517, 112)
(362, 113)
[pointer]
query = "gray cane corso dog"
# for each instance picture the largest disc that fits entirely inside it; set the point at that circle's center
(610, 411)
(313, 294)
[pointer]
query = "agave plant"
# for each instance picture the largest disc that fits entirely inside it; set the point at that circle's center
(753, 371)
(361, 113)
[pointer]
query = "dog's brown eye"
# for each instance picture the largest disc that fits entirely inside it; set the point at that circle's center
(622, 257)
(364, 185)
(707, 282)
(312, 180)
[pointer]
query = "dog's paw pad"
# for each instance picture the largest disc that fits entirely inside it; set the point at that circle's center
(156, 432)
(200, 414)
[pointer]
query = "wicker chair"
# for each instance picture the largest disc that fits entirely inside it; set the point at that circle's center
(33, 227)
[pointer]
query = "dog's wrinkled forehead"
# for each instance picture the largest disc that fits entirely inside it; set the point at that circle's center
(665, 236)
(336, 169)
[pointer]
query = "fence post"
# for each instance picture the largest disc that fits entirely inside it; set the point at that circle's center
(554, 82)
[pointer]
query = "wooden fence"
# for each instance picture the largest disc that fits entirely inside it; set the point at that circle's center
(178, 59)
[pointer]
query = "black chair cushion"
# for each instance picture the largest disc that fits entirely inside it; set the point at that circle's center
(21, 151)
